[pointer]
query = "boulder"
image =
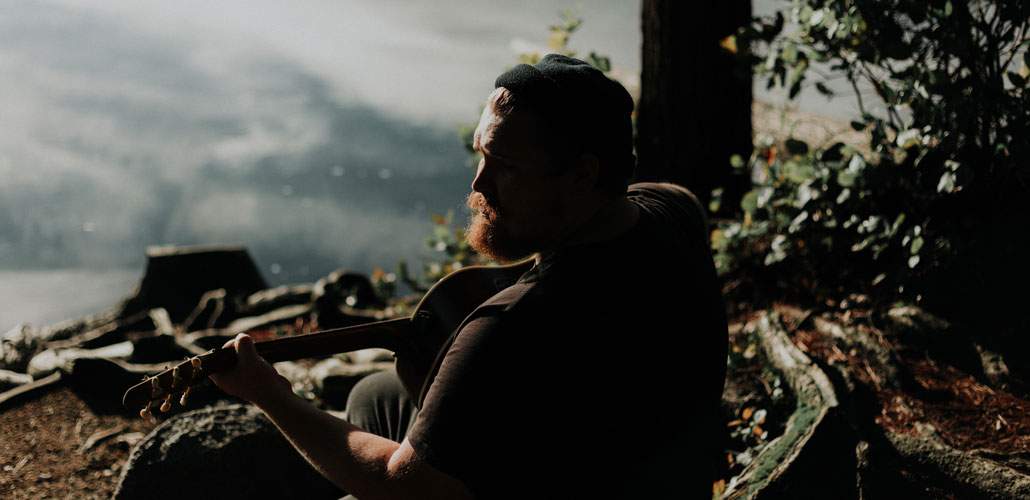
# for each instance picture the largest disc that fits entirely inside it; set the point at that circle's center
(230, 451)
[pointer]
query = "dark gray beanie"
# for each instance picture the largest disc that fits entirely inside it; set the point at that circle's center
(584, 106)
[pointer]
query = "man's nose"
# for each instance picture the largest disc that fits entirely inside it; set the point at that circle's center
(479, 182)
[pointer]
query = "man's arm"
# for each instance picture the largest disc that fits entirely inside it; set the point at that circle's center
(361, 463)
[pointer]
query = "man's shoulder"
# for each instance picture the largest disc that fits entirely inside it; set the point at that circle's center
(666, 201)
(663, 191)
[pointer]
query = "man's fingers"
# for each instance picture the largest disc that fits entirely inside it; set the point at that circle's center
(245, 345)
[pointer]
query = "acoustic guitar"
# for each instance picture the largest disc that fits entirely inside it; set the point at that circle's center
(416, 340)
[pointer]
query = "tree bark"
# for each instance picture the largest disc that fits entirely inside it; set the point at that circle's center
(695, 100)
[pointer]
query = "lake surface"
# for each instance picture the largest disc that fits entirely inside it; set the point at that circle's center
(46, 297)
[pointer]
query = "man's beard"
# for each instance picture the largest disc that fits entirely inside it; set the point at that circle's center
(487, 234)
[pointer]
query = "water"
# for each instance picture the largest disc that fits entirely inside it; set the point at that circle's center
(47, 296)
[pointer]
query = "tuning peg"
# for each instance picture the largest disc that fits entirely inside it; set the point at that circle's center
(167, 404)
(185, 394)
(196, 363)
(145, 413)
(155, 386)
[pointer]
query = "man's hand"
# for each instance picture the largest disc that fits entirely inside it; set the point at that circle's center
(252, 379)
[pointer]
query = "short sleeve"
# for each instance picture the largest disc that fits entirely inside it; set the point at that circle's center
(465, 401)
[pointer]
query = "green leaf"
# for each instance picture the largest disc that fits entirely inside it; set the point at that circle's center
(843, 196)
(947, 8)
(795, 88)
(823, 89)
(737, 161)
(833, 153)
(909, 138)
(795, 224)
(600, 62)
(716, 201)
(913, 261)
(897, 224)
(1016, 79)
(764, 195)
(796, 147)
(749, 203)
(947, 183)
(798, 172)
(789, 54)
(917, 245)
(846, 178)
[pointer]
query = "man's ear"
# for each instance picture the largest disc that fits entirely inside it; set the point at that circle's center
(585, 173)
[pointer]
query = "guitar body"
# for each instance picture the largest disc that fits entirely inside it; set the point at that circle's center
(415, 341)
(442, 310)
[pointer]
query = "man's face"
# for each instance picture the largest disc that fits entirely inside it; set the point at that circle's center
(518, 206)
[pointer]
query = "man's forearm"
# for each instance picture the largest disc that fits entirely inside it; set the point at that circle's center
(353, 459)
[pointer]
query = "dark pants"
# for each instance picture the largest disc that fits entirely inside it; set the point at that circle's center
(379, 404)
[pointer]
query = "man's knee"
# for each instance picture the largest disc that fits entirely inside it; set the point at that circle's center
(379, 404)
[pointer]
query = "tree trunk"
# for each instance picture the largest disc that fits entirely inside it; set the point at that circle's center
(695, 99)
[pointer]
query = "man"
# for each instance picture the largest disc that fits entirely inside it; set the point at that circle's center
(598, 374)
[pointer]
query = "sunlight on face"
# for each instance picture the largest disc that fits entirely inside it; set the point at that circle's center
(517, 205)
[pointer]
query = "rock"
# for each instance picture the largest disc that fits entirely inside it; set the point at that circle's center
(17, 347)
(274, 298)
(101, 382)
(9, 379)
(52, 360)
(177, 277)
(333, 379)
(231, 451)
(943, 341)
(298, 375)
(341, 297)
(158, 348)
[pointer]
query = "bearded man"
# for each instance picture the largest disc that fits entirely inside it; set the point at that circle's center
(598, 374)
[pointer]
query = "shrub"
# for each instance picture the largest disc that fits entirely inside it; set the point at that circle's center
(934, 208)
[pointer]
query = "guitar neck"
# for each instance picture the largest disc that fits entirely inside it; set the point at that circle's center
(382, 334)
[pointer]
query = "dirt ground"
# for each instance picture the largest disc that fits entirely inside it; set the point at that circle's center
(968, 414)
(54, 446)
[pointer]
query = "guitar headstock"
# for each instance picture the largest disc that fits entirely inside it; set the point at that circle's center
(176, 382)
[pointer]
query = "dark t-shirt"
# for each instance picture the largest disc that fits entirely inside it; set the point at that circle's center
(600, 375)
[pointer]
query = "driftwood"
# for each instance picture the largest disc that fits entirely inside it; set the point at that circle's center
(814, 456)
